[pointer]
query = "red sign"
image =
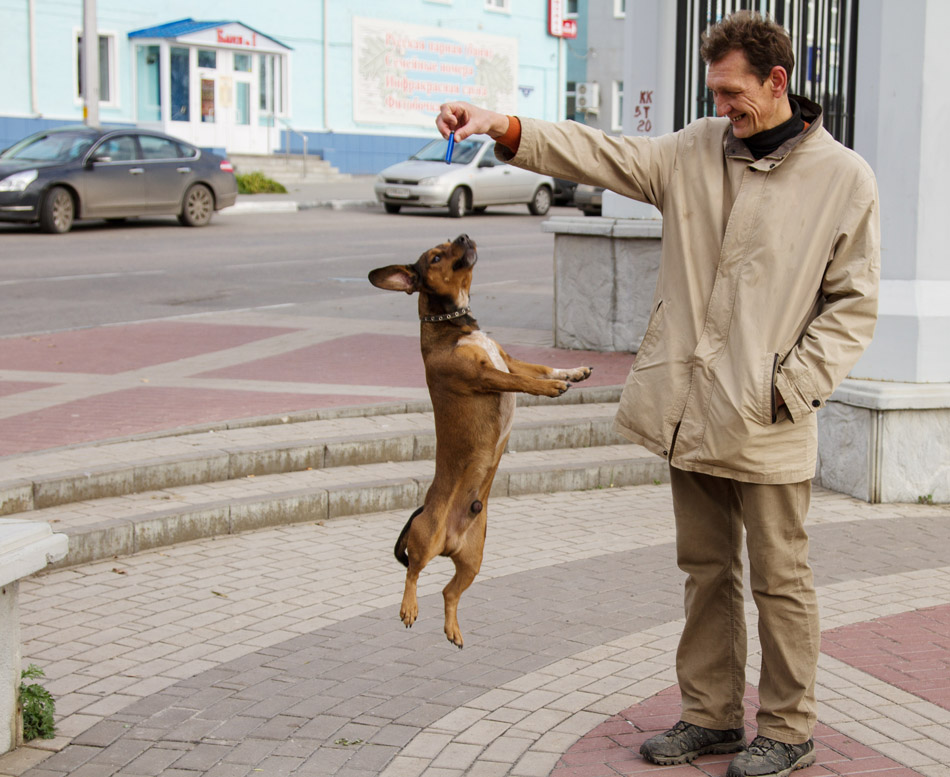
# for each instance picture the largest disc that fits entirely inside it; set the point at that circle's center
(558, 25)
(555, 17)
(236, 40)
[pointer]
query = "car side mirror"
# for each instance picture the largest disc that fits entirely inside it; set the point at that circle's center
(487, 162)
(100, 158)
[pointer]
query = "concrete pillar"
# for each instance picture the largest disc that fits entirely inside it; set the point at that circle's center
(886, 435)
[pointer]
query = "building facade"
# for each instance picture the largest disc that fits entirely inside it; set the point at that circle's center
(360, 80)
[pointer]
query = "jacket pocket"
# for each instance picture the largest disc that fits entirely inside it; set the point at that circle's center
(650, 336)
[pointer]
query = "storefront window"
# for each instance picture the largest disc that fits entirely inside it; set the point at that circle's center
(207, 58)
(181, 84)
(148, 87)
(242, 63)
(266, 82)
(207, 100)
(242, 112)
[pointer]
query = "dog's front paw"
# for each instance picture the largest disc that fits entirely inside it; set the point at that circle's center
(554, 388)
(578, 374)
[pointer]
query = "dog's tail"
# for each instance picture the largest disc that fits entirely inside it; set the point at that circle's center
(402, 554)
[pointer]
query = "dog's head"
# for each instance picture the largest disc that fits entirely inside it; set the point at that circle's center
(444, 271)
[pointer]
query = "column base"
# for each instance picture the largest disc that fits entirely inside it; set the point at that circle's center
(886, 442)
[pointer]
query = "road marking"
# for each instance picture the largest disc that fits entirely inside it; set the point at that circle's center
(87, 277)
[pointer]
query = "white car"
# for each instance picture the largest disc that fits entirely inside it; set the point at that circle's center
(473, 180)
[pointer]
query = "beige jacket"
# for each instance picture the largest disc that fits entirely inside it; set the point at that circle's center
(768, 280)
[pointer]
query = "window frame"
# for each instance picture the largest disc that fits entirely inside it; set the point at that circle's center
(498, 6)
(112, 68)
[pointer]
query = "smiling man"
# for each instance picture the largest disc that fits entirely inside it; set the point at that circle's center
(766, 297)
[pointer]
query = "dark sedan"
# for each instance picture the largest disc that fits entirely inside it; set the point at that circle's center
(57, 176)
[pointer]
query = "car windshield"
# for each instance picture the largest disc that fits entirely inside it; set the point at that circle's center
(52, 147)
(463, 153)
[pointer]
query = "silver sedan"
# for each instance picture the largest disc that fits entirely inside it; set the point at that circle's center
(472, 181)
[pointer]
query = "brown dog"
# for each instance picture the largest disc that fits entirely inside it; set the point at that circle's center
(472, 383)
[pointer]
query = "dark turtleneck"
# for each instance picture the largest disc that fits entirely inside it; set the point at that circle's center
(764, 143)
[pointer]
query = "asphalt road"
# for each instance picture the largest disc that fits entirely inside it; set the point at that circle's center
(310, 262)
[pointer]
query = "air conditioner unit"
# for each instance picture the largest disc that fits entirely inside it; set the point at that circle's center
(587, 97)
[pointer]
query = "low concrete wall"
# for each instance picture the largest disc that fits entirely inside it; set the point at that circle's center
(25, 547)
(605, 274)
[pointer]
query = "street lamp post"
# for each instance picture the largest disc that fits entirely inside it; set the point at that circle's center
(90, 64)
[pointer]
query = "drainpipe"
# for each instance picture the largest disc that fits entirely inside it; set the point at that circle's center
(34, 98)
(326, 67)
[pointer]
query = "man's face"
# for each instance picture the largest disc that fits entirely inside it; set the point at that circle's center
(751, 106)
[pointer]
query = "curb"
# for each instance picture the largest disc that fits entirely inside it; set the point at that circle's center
(291, 206)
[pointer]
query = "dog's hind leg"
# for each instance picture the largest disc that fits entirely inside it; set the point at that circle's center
(468, 560)
(424, 540)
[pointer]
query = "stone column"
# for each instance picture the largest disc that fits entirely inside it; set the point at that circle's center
(886, 435)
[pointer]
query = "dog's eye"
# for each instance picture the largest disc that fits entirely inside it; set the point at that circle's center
(436, 259)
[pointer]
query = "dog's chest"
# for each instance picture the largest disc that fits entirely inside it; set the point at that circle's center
(489, 346)
(506, 404)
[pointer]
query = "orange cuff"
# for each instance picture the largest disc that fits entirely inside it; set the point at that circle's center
(512, 137)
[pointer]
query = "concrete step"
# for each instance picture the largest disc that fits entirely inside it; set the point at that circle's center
(119, 526)
(291, 169)
(265, 446)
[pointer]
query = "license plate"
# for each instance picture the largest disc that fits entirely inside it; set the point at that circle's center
(395, 191)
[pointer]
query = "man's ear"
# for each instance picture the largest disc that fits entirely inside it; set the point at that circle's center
(396, 277)
(778, 81)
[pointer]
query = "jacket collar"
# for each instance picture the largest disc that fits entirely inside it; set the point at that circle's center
(735, 148)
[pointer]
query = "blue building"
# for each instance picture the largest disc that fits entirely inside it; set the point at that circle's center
(361, 80)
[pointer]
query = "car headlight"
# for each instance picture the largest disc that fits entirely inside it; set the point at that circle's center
(18, 181)
(428, 181)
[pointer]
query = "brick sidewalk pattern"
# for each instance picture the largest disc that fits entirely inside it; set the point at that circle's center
(280, 651)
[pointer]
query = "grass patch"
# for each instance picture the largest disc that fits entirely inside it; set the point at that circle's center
(258, 183)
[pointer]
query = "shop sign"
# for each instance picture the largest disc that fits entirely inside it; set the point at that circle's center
(558, 25)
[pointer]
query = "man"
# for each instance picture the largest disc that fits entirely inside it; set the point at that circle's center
(766, 297)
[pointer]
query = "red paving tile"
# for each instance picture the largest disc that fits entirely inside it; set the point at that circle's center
(111, 350)
(909, 651)
(395, 360)
(8, 387)
(149, 409)
(612, 748)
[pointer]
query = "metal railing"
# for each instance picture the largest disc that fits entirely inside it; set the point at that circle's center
(287, 130)
(824, 37)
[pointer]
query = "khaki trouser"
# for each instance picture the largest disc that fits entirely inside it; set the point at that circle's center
(710, 663)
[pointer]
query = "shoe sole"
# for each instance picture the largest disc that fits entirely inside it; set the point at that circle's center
(719, 749)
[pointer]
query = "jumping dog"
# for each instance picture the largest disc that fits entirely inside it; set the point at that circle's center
(472, 384)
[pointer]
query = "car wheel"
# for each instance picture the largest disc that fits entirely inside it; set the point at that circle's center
(541, 202)
(197, 206)
(58, 211)
(390, 208)
(458, 203)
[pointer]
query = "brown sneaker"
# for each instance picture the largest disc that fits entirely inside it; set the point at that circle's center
(768, 758)
(685, 742)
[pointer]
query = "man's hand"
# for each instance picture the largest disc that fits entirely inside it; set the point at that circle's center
(465, 119)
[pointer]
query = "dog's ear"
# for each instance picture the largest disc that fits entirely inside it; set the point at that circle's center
(396, 277)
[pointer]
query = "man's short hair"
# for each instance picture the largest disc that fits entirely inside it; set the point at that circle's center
(765, 43)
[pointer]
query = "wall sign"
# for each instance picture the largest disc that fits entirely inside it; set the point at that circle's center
(402, 73)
